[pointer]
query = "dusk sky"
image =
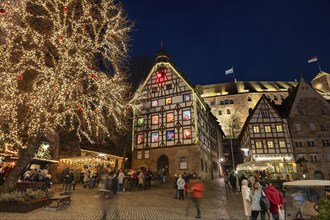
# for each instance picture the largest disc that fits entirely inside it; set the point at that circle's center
(264, 40)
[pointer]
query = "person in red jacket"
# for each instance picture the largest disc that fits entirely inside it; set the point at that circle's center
(196, 187)
(276, 200)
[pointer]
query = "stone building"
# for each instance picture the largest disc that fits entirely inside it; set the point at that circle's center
(231, 102)
(265, 139)
(175, 130)
(309, 119)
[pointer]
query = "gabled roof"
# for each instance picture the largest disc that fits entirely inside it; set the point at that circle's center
(276, 108)
(320, 74)
(290, 100)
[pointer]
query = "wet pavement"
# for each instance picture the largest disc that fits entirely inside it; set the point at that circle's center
(154, 203)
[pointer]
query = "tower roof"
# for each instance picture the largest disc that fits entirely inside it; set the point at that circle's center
(162, 56)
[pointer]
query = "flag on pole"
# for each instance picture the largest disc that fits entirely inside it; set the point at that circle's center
(230, 71)
(313, 59)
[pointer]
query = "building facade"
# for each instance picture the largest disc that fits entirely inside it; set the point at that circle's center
(232, 102)
(321, 84)
(175, 129)
(309, 118)
(265, 138)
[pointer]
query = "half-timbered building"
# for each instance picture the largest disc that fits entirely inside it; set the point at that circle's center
(265, 138)
(175, 129)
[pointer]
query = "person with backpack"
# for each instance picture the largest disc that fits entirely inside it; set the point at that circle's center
(256, 195)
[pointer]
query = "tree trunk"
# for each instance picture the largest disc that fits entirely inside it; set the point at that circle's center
(25, 157)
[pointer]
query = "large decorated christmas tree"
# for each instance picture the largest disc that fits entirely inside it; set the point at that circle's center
(62, 69)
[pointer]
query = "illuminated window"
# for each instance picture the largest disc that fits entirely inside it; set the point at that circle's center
(279, 128)
(186, 133)
(139, 139)
(186, 115)
(154, 103)
(256, 129)
(170, 135)
(268, 129)
(186, 97)
(154, 137)
(270, 144)
(170, 117)
(140, 121)
(154, 119)
(168, 101)
(258, 144)
(282, 144)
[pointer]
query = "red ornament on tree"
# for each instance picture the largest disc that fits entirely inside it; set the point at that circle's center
(66, 9)
(80, 109)
(96, 110)
(84, 26)
(111, 36)
(20, 76)
(2, 11)
(61, 37)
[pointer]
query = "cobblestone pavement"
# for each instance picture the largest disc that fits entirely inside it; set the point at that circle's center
(155, 203)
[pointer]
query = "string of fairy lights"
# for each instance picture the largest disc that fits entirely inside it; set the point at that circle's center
(63, 66)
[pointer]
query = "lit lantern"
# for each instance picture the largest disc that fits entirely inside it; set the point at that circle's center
(66, 10)
(2, 11)
(20, 76)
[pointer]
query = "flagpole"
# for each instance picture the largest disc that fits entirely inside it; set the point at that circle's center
(234, 77)
(318, 63)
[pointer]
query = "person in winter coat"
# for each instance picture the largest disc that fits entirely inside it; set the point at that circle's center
(232, 180)
(114, 182)
(196, 187)
(276, 200)
(255, 197)
(175, 186)
(121, 177)
(68, 180)
(181, 184)
(141, 180)
(246, 195)
(76, 177)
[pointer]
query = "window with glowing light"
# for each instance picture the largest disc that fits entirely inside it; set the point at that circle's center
(282, 144)
(187, 134)
(256, 129)
(279, 128)
(258, 144)
(170, 135)
(140, 121)
(268, 129)
(154, 137)
(170, 117)
(140, 138)
(186, 115)
(270, 144)
(186, 97)
(154, 119)
(168, 101)
(161, 75)
(154, 103)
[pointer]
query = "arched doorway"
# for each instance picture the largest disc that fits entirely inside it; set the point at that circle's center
(318, 175)
(163, 163)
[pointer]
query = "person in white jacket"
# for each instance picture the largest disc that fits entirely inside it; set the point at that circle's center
(246, 195)
(180, 182)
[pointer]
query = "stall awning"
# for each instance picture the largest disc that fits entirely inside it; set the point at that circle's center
(252, 166)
